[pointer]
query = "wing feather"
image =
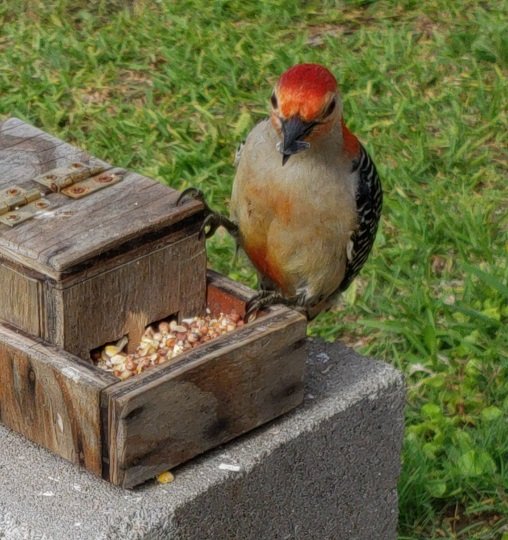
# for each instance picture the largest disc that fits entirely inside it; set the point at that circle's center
(369, 201)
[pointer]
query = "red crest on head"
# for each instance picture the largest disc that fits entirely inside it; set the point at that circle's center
(303, 90)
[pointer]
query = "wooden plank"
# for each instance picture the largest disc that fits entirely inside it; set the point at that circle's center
(170, 414)
(192, 277)
(34, 152)
(125, 299)
(25, 150)
(134, 248)
(102, 221)
(134, 207)
(224, 290)
(21, 302)
(52, 398)
(8, 124)
(48, 243)
(24, 137)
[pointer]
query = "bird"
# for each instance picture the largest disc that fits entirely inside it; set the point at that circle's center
(306, 198)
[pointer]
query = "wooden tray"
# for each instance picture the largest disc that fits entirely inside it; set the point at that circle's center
(129, 431)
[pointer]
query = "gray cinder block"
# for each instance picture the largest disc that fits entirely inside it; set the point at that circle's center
(327, 471)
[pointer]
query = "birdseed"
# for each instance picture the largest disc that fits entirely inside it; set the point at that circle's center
(163, 343)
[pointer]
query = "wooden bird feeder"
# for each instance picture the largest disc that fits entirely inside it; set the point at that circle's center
(90, 253)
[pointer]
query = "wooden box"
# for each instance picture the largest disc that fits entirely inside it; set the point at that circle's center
(129, 431)
(80, 273)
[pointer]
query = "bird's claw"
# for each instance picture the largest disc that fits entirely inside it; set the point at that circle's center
(210, 224)
(196, 194)
(212, 220)
(269, 298)
(262, 300)
(193, 194)
(251, 309)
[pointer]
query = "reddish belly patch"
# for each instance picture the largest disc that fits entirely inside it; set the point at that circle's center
(266, 266)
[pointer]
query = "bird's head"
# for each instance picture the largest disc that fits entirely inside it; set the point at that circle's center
(305, 105)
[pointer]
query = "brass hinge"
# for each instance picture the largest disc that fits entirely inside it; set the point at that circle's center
(18, 205)
(78, 180)
(75, 181)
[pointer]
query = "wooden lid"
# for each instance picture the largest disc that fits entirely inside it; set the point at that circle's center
(71, 231)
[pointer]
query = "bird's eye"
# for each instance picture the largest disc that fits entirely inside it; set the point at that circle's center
(330, 108)
(273, 99)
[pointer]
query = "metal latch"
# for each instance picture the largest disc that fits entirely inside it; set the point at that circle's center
(78, 180)
(18, 204)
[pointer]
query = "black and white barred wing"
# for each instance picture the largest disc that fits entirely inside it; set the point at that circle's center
(369, 201)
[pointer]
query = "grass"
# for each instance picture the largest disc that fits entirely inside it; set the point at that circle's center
(167, 88)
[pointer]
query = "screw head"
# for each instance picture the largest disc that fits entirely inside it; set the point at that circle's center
(105, 178)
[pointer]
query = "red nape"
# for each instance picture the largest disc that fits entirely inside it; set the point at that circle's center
(351, 143)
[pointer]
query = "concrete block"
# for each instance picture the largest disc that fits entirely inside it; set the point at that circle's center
(326, 471)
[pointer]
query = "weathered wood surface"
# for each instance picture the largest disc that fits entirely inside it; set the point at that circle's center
(73, 231)
(126, 299)
(130, 431)
(20, 300)
(223, 294)
(25, 150)
(88, 271)
(214, 393)
(52, 398)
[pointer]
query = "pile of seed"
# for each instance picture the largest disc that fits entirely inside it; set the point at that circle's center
(164, 343)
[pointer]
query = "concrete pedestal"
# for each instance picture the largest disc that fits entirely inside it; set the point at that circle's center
(327, 471)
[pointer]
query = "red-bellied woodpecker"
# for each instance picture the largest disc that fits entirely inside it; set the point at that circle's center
(306, 197)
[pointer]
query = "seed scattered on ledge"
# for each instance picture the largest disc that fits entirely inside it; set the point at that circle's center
(165, 478)
(158, 345)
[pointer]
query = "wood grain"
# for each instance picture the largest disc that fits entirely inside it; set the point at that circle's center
(86, 272)
(52, 398)
(224, 295)
(25, 150)
(213, 394)
(21, 302)
(126, 299)
(75, 230)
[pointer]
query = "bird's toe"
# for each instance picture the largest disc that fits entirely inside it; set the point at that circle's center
(190, 193)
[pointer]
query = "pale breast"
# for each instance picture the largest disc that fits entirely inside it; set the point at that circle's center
(299, 216)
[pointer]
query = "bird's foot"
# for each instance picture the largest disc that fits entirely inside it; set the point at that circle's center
(265, 299)
(212, 220)
(259, 301)
(194, 194)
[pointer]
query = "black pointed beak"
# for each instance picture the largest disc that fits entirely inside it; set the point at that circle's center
(294, 130)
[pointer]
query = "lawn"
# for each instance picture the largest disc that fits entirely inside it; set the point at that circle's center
(168, 88)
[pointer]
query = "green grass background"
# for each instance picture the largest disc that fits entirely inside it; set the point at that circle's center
(168, 88)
